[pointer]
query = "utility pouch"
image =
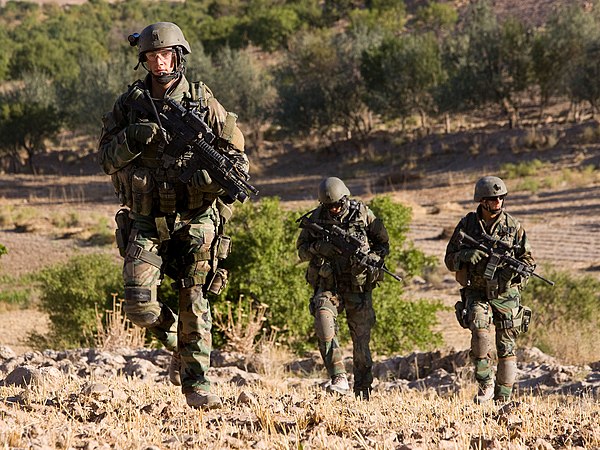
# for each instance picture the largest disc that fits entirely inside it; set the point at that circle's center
(123, 230)
(460, 310)
(195, 197)
(490, 268)
(491, 289)
(223, 246)
(218, 281)
(142, 185)
(525, 312)
(167, 198)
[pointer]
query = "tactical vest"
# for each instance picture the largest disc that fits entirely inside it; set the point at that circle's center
(340, 274)
(506, 231)
(150, 184)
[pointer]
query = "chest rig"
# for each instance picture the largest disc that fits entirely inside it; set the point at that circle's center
(484, 274)
(155, 184)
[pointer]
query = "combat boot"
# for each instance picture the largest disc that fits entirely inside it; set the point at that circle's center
(485, 393)
(502, 393)
(339, 384)
(203, 400)
(175, 369)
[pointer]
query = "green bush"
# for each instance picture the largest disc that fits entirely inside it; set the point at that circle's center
(565, 321)
(70, 292)
(264, 267)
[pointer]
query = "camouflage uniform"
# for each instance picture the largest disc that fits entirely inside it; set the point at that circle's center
(339, 284)
(487, 302)
(175, 228)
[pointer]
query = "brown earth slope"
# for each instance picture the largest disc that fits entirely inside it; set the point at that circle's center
(434, 176)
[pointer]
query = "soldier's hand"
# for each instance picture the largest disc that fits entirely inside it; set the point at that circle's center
(326, 249)
(375, 259)
(471, 255)
(200, 179)
(144, 133)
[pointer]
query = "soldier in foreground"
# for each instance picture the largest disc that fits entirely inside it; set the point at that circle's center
(170, 226)
(491, 256)
(341, 282)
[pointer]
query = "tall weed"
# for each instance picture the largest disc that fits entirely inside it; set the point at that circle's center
(566, 319)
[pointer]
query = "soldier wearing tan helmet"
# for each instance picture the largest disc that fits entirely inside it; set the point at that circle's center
(490, 299)
(169, 227)
(341, 285)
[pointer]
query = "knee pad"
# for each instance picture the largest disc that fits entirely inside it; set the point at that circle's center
(139, 307)
(507, 371)
(324, 325)
(480, 343)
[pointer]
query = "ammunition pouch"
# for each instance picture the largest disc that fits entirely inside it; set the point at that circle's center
(167, 198)
(218, 281)
(491, 266)
(123, 230)
(222, 247)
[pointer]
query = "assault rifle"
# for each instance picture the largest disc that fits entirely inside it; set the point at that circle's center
(499, 254)
(186, 134)
(347, 245)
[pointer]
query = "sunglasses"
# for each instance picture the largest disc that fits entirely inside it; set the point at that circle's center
(493, 199)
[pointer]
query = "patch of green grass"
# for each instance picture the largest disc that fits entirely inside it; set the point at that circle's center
(521, 169)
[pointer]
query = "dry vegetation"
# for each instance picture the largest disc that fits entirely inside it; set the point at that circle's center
(282, 413)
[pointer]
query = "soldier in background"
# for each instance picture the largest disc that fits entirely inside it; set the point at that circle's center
(494, 302)
(340, 284)
(170, 227)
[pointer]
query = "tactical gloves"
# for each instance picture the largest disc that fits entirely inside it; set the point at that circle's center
(471, 255)
(144, 133)
(325, 249)
(200, 178)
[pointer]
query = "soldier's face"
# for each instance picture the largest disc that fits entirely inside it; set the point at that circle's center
(493, 204)
(161, 61)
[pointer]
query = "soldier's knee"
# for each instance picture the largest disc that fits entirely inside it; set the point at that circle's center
(324, 324)
(480, 343)
(507, 371)
(140, 307)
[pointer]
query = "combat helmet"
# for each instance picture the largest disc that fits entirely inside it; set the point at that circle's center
(332, 190)
(161, 35)
(489, 187)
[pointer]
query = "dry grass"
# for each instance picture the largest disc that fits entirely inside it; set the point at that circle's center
(281, 414)
(116, 331)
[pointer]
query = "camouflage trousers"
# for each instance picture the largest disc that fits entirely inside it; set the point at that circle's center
(325, 306)
(186, 258)
(483, 314)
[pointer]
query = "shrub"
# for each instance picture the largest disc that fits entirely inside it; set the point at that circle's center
(265, 268)
(565, 321)
(70, 293)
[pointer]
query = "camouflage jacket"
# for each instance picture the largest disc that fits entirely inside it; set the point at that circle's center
(141, 180)
(340, 273)
(506, 229)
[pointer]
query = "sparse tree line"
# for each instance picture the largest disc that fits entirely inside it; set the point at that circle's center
(332, 69)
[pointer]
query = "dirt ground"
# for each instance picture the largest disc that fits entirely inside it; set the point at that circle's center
(562, 223)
